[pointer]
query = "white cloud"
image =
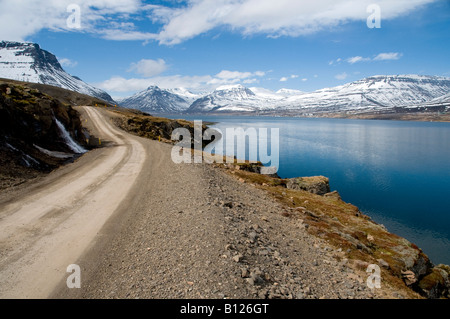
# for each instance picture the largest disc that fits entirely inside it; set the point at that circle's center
(187, 19)
(232, 77)
(283, 18)
(337, 61)
(286, 78)
(378, 57)
(388, 56)
(304, 79)
(341, 76)
(356, 59)
(119, 84)
(21, 19)
(67, 63)
(260, 73)
(148, 68)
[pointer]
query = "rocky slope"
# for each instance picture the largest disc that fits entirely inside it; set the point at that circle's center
(29, 63)
(37, 133)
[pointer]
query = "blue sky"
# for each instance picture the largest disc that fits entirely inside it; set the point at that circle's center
(123, 46)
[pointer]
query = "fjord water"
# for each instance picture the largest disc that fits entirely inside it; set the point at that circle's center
(396, 172)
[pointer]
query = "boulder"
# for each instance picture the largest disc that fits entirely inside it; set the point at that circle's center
(409, 277)
(437, 283)
(319, 185)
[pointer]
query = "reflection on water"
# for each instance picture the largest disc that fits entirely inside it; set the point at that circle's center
(396, 172)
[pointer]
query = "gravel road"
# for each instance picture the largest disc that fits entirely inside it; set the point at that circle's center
(140, 226)
(48, 226)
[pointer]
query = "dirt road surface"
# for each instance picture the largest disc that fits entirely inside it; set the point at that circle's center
(46, 230)
(141, 226)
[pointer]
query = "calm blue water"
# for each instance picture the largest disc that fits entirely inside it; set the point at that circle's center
(396, 172)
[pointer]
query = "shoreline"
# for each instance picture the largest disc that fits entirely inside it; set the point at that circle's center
(420, 276)
(403, 117)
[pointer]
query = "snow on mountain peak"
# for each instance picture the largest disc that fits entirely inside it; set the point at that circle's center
(185, 93)
(29, 63)
(289, 92)
(382, 91)
(157, 100)
(230, 87)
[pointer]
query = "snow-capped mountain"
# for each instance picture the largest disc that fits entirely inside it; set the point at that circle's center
(156, 100)
(267, 94)
(28, 62)
(289, 92)
(376, 92)
(185, 94)
(236, 98)
(373, 92)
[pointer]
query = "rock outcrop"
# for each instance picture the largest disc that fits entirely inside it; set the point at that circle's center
(436, 284)
(30, 133)
(155, 128)
(319, 185)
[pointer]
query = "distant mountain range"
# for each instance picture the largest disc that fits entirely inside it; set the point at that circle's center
(29, 63)
(369, 94)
